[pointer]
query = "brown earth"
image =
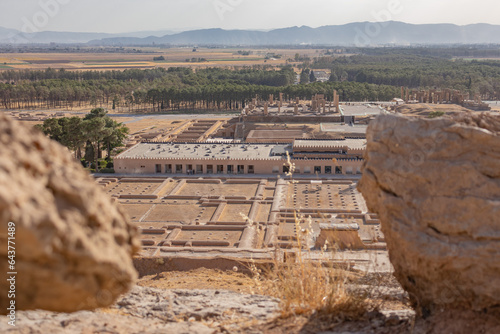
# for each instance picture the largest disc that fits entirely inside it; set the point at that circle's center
(384, 294)
(200, 279)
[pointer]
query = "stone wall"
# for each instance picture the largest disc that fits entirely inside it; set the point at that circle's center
(264, 166)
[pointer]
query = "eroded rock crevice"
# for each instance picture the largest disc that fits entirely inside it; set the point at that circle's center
(442, 228)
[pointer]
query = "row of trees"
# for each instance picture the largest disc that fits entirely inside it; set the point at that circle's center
(416, 71)
(95, 133)
(258, 75)
(178, 89)
(448, 52)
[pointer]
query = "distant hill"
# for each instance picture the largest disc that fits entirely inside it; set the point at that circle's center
(12, 36)
(360, 34)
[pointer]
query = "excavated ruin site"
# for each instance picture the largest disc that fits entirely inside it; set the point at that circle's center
(192, 221)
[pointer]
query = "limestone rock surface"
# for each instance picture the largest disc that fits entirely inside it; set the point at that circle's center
(151, 310)
(435, 184)
(73, 246)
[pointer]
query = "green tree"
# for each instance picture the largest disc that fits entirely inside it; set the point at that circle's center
(95, 113)
(53, 129)
(312, 77)
(304, 76)
(116, 133)
(95, 131)
(73, 135)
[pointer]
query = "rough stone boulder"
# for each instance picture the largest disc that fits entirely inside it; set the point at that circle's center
(436, 185)
(73, 246)
(149, 310)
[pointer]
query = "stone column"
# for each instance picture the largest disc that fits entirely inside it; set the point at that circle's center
(314, 103)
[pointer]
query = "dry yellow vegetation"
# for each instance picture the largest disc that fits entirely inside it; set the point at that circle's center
(174, 57)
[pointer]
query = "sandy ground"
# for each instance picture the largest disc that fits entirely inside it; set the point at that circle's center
(239, 282)
(200, 279)
(135, 122)
(384, 294)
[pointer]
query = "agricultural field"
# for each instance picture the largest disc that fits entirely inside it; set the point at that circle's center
(174, 57)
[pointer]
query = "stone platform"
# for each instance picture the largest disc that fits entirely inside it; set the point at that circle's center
(217, 222)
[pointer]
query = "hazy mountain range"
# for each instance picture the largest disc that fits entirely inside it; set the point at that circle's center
(12, 36)
(360, 33)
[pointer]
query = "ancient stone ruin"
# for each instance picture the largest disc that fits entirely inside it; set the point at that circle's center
(435, 184)
(73, 245)
(446, 96)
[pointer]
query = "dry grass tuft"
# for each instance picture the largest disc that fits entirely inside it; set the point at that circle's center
(310, 287)
(307, 288)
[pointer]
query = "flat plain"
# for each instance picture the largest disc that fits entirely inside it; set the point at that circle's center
(142, 58)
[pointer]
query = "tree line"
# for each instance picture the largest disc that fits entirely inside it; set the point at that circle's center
(448, 52)
(161, 90)
(416, 72)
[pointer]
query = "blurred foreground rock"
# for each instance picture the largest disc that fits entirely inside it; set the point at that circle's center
(436, 185)
(149, 310)
(73, 245)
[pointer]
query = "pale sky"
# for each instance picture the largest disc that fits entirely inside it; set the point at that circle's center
(115, 16)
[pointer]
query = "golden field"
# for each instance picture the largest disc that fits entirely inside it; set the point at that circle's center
(174, 57)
